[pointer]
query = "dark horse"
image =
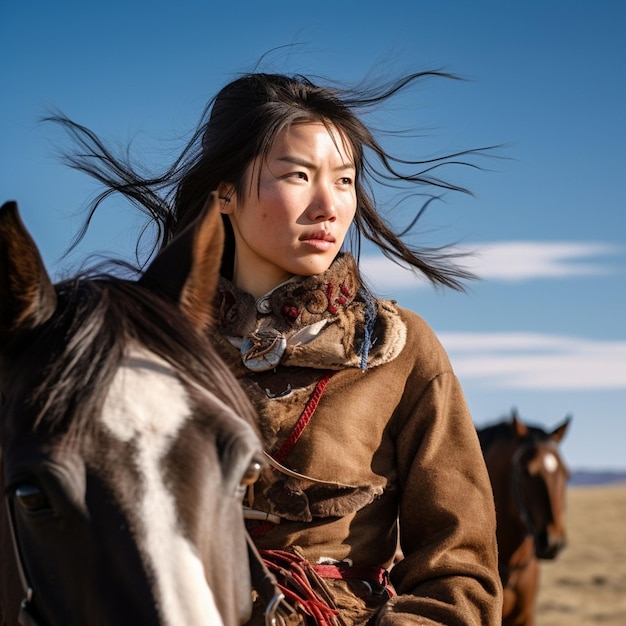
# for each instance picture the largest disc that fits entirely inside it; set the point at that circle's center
(126, 444)
(529, 480)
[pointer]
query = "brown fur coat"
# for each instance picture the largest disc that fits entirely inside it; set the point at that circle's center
(391, 440)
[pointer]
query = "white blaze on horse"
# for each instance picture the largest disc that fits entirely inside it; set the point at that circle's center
(126, 443)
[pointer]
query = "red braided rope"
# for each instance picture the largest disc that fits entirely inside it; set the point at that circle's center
(304, 418)
(291, 569)
(290, 442)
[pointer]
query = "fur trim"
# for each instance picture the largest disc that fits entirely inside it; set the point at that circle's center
(326, 321)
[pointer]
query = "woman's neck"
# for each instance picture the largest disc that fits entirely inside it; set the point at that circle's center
(258, 284)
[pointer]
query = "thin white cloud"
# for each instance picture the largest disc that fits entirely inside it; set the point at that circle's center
(507, 261)
(537, 361)
(524, 260)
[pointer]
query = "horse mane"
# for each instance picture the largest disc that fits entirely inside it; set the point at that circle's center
(490, 434)
(96, 319)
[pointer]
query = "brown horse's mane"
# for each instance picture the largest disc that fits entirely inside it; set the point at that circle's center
(96, 319)
(491, 434)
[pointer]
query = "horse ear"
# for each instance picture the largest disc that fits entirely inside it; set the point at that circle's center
(559, 432)
(27, 296)
(520, 429)
(187, 270)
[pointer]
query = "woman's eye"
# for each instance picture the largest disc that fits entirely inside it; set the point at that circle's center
(300, 175)
(345, 180)
(31, 498)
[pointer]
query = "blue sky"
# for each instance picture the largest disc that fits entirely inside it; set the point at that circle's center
(544, 330)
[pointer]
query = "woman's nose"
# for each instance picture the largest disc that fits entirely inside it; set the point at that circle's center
(322, 206)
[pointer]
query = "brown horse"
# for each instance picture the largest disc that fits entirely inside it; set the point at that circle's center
(126, 443)
(529, 481)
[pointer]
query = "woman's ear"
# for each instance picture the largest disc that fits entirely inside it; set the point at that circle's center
(226, 197)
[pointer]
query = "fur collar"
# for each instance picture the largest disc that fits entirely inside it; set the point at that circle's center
(326, 321)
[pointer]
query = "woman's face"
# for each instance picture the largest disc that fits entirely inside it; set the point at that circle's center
(297, 221)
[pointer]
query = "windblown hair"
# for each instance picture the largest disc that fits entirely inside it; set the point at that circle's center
(95, 322)
(241, 124)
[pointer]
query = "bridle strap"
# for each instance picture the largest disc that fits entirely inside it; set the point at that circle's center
(267, 587)
(26, 617)
(27, 614)
(288, 472)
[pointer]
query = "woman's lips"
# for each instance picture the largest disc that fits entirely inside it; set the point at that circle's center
(320, 240)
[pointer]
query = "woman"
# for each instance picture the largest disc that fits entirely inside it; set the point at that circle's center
(365, 424)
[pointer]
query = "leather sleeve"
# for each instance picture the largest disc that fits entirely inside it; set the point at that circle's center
(449, 574)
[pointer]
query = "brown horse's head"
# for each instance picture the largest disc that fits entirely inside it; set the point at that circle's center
(540, 479)
(126, 443)
(529, 479)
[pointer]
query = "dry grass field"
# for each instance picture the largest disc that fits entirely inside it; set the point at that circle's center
(587, 583)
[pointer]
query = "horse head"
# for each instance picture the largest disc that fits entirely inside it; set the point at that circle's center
(539, 478)
(126, 443)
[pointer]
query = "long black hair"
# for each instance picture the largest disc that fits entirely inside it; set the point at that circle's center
(240, 124)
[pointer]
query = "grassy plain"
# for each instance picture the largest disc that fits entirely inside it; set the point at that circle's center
(586, 584)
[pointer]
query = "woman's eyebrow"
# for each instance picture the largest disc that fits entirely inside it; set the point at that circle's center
(304, 163)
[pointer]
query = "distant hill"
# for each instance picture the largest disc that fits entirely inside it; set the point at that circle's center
(587, 478)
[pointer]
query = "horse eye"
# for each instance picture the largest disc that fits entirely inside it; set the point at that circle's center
(251, 475)
(31, 498)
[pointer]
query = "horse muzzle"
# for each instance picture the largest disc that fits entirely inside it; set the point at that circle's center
(547, 547)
